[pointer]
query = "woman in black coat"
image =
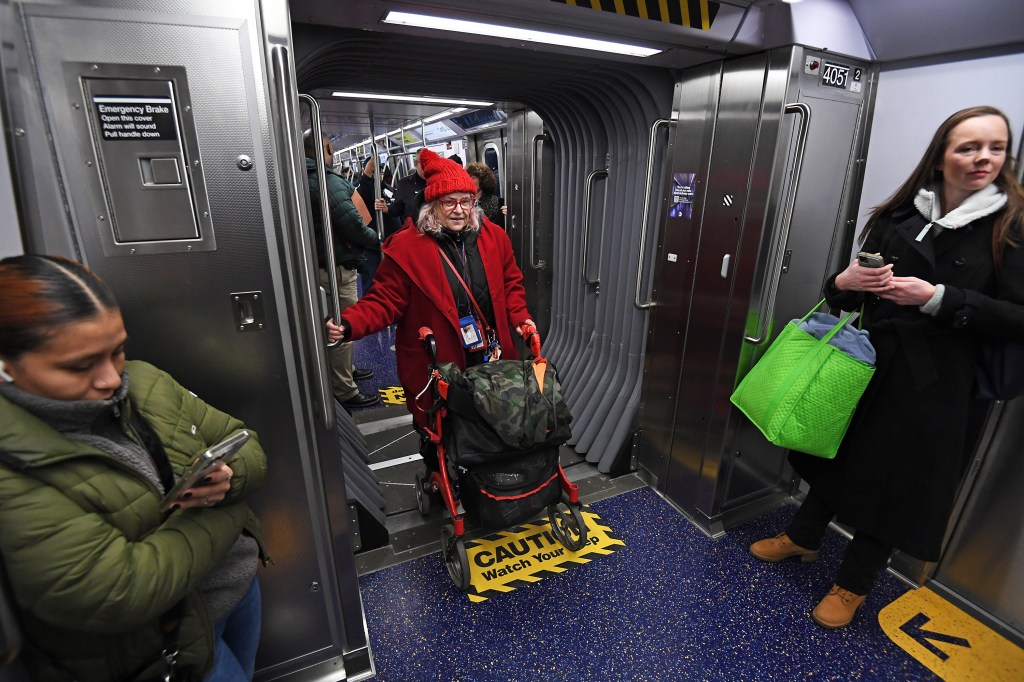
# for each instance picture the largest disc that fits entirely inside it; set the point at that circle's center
(953, 277)
(486, 187)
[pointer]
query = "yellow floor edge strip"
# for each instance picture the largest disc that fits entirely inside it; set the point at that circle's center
(952, 644)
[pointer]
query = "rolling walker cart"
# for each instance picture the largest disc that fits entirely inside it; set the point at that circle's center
(497, 428)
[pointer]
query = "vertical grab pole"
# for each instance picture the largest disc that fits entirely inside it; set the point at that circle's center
(316, 131)
(588, 188)
(646, 214)
(295, 185)
(377, 173)
(406, 166)
(775, 271)
(505, 169)
(535, 264)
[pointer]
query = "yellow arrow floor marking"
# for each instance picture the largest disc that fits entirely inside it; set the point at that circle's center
(947, 641)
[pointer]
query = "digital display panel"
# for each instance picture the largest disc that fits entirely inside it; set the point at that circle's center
(478, 119)
(437, 131)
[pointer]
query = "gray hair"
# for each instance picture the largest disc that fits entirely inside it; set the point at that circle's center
(429, 223)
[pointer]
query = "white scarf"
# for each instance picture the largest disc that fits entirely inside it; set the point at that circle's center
(985, 201)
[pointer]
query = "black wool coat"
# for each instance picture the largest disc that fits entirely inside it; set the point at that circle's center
(897, 471)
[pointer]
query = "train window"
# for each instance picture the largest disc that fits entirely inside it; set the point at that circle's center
(493, 162)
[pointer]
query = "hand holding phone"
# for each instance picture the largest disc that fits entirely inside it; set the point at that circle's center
(870, 260)
(222, 452)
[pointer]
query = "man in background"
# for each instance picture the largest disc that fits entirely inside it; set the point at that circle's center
(351, 237)
(409, 194)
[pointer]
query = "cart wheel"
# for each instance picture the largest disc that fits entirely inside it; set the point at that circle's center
(453, 550)
(422, 496)
(568, 526)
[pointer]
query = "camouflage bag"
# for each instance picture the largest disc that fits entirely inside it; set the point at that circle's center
(520, 401)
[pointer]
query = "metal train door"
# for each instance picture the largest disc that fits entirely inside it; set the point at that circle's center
(159, 143)
(767, 153)
(530, 198)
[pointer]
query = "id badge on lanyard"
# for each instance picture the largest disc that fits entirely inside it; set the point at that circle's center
(472, 338)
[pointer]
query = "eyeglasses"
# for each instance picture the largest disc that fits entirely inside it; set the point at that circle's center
(466, 203)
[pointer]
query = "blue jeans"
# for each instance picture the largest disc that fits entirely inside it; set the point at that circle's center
(236, 637)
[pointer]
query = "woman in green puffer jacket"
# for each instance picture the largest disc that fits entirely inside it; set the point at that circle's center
(104, 582)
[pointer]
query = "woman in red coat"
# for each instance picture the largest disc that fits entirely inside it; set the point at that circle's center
(471, 314)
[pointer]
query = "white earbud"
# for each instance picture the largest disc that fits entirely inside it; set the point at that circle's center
(4, 375)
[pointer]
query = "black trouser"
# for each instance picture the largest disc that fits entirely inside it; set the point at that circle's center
(428, 451)
(865, 555)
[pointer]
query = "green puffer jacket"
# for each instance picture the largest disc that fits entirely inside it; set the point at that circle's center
(351, 236)
(91, 562)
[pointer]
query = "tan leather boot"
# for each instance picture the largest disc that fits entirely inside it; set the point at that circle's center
(781, 547)
(837, 609)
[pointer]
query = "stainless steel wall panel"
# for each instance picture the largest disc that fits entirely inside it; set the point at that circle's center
(178, 306)
(531, 209)
(728, 185)
(982, 562)
(767, 226)
(674, 266)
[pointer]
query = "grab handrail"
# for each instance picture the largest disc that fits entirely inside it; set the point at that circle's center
(540, 137)
(646, 214)
(316, 131)
(295, 185)
(775, 271)
(588, 188)
(504, 171)
(378, 172)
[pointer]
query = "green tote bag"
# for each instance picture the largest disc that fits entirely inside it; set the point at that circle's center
(802, 393)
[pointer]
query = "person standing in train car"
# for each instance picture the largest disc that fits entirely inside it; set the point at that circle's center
(392, 221)
(351, 240)
(409, 195)
(953, 277)
(418, 284)
(486, 187)
(104, 581)
(367, 191)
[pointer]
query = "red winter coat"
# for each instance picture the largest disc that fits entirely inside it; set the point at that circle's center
(411, 288)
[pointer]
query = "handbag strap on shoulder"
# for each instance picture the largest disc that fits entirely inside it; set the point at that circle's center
(476, 306)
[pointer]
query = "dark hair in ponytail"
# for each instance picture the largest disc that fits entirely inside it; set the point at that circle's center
(40, 293)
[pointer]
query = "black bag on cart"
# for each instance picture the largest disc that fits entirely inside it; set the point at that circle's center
(501, 435)
(499, 487)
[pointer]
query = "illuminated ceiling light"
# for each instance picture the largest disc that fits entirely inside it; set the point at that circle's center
(513, 33)
(790, 2)
(444, 114)
(409, 98)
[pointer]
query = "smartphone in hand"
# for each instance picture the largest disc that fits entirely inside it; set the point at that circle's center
(223, 451)
(870, 260)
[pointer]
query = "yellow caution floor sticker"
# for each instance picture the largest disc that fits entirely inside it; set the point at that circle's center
(529, 553)
(947, 641)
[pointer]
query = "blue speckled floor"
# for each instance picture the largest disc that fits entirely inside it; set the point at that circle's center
(374, 353)
(672, 605)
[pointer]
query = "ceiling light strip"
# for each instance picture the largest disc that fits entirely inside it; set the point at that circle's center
(513, 33)
(409, 98)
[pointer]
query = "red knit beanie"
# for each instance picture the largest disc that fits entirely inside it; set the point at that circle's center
(443, 176)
